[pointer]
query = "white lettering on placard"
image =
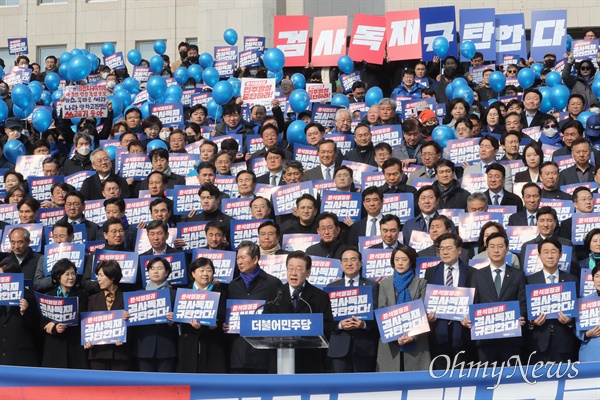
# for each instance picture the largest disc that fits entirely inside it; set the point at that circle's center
(445, 27)
(296, 42)
(371, 36)
(328, 45)
(405, 32)
(482, 31)
(504, 33)
(559, 32)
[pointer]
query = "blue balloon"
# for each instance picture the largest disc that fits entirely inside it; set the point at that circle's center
(76, 52)
(13, 149)
(94, 61)
(569, 42)
(274, 59)
(553, 79)
(145, 109)
(222, 92)
(52, 81)
(449, 90)
(230, 36)
(131, 85)
(112, 152)
(441, 134)
(596, 87)
(210, 76)
(63, 71)
(295, 132)
(298, 81)
(583, 117)
(41, 119)
(156, 144)
(299, 100)
(21, 95)
(465, 93)
(236, 84)
(181, 74)
(467, 49)
(459, 82)
(174, 91)
(214, 110)
(36, 90)
(65, 57)
(117, 104)
(497, 81)
(108, 49)
(84, 52)
(3, 110)
(156, 64)
(526, 77)
(537, 68)
(46, 98)
(340, 100)
(134, 57)
(171, 100)
(559, 97)
(79, 68)
(195, 71)
(278, 76)
(56, 96)
(345, 64)
(124, 96)
(160, 47)
(440, 46)
(205, 60)
(373, 96)
(546, 104)
(156, 86)
(23, 113)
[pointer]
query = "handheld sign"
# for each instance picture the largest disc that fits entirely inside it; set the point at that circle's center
(30, 165)
(186, 199)
(199, 305)
(348, 302)
(424, 263)
(376, 263)
(74, 252)
(182, 164)
(193, 234)
(307, 155)
(236, 308)
(550, 299)
(450, 303)
(344, 205)
(244, 230)
(11, 289)
(586, 286)
(39, 186)
(274, 264)
(495, 320)
(9, 213)
(324, 114)
(391, 134)
(127, 260)
(399, 204)
(299, 241)
(171, 115)
(136, 166)
(115, 61)
(17, 46)
(324, 271)
(224, 262)
(284, 198)
(237, 208)
(258, 91)
(589, 313)
(103, 327)
(397, 320)
(582, 224)
(533, 263)
(60, 310)
(147, 307)
(84, 101)
(518, 235)
(470, 224)
(178, 275)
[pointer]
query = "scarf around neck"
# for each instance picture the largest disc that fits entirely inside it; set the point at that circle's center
(151, 286)
(249, 278)
(401, 282)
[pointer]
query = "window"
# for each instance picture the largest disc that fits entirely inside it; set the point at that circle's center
(146, 49)
(96, 49)
(45, 51)
(53, 1)
(192, 41)
(9, 3)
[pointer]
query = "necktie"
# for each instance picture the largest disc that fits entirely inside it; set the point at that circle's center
(328, 173)
(427, 224)
(449, 279)
(531, 220)
(295, 296)
(498, 281)
(552, 278)
(351, 282)
(496, 199)
(373, 227)
(430, 173)
(274, 180)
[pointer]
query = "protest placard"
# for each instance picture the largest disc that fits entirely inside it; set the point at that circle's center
(84, 101)
(324, 114)
(400, 319)
(39, 186)
(399, 204)
(424, 263)
(533, 263)
(319, 92)
(449, 303)
(348, 302)
(495, 320)
(589, 313)
(17, 46)
(178, 275)
(462, 150)
(199, 305)
(141, 74)
(192, 233)
(171, 115)
(244, 230)
(115, 61)
(284, 198)
(74, 252)
(226, 53)
(60, 310)
(235, 308)
(147, 307)
(376, 263)
(103, 327)
(299, 241)
(550, 299)
(258, 91)
(344, 205)
(324, 271)
(127, 260)
(186, 199)
(274, 264)
(223, 260)
(12, 289)
(391, 134)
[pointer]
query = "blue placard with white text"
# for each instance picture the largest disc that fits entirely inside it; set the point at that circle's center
(348, 302)
(281, 325)
(103, 327)
(11, 289)
(550, 299)
(147, 307)
(60, 310)
(495, 320)
(199, 305)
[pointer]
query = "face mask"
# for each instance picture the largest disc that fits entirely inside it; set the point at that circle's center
(111, 84)
(190, 139)
(183, 54)
(84, 150)
(549, 63)
(3, 92)
(104, 75)
(595, 110)
(164, 135)
(550, 132)
(193, 60)
(253, 72)
(430, 129)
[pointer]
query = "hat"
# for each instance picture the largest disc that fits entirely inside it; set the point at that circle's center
(315, 75)
(592, 126)
(13, 122)
(426, 115)
(549, 55)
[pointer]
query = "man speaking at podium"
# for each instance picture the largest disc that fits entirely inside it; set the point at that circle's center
(298, 296)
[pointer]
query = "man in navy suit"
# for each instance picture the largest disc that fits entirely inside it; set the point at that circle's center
(496, 194)
(448, 337)
(428, 198)
(353, 342)
(498, 283)
(532, 196)
(551, 339)
(372, 201)
(274, 176)
(389, 227)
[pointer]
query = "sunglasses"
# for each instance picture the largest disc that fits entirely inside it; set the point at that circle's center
(585, 68)
(512, 71)
(550, 126)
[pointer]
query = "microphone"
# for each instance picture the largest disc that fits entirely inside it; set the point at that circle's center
(298, 297)
(274, 301)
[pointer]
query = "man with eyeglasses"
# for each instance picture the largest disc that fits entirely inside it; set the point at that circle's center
(575, 106)
(408, 87)
(74, 207)
(582, 171)
(409, 152)
(268, 239)
(571, 131)
(431, 152)
(331, 244)
(584, 204)
(92, 185)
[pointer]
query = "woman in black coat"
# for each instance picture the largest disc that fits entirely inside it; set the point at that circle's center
(116, 357)
(202, 348)
(62, 343)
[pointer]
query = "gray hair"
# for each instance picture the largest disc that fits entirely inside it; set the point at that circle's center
(387, 100)
(477, 196)
(252, 247)
(26, 234)
(293, 164)
(100, 150)
(338, 113)
(80, 135)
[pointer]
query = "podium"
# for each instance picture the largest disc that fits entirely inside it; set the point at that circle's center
(284, 332)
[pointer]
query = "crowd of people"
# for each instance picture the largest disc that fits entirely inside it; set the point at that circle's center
(355, 345)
